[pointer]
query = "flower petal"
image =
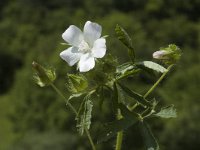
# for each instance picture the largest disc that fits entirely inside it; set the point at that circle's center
(92, 31)
(71, 55)
(73, 35)
(86, 63)
(99, 48)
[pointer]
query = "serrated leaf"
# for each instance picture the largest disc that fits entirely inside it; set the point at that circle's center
(139, 98)
(149, 139)
(123, 36)
(84, 115)
(152, 65)
(167, 112)
(76, 95)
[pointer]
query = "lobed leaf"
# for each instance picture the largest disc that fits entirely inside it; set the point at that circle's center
(84, 115)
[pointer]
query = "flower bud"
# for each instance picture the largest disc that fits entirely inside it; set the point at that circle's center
(169, 55)
(162, 54)
(43, 76)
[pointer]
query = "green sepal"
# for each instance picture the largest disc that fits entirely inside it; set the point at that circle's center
(43, 76)
(76, 83)
(123, 36)
(173, 54)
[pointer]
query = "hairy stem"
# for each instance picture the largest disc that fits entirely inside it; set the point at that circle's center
(75, 112)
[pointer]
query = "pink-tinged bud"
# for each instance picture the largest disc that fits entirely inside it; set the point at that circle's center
(162, 54)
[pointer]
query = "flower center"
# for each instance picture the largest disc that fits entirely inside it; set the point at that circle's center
(83, 47)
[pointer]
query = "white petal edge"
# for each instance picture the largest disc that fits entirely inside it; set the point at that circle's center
(91, 32)
(86, 63)
(99, 48)
(73, 35)
(71, 55)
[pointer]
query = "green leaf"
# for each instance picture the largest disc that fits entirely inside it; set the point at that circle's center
(167, 112)
(149, 139)
(123, 36)
(76, 83)
(126, 69)
(139, 98)
(76, 95)
(152, 65)
(101, 95)
(115, 97)
(129, 114)
(84, 114)
(112, 128)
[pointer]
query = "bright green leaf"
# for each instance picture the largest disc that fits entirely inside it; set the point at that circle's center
(167, 112)
(152, 65)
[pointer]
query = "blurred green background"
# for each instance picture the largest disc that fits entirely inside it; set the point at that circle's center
(32, 118)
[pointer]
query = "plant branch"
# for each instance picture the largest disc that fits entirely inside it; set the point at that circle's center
(158, 81)
(75, 112)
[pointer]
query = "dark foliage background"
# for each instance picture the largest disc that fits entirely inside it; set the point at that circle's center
(37, 119)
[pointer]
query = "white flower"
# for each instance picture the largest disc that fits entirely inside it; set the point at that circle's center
(85, 47)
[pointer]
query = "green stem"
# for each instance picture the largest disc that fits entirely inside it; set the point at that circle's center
(158, 81)
(119, 139)
(90, 139)
(75, 112)
(153, 87)
(61, 95)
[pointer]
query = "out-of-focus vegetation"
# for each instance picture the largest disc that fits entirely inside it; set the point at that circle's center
(37, 119)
